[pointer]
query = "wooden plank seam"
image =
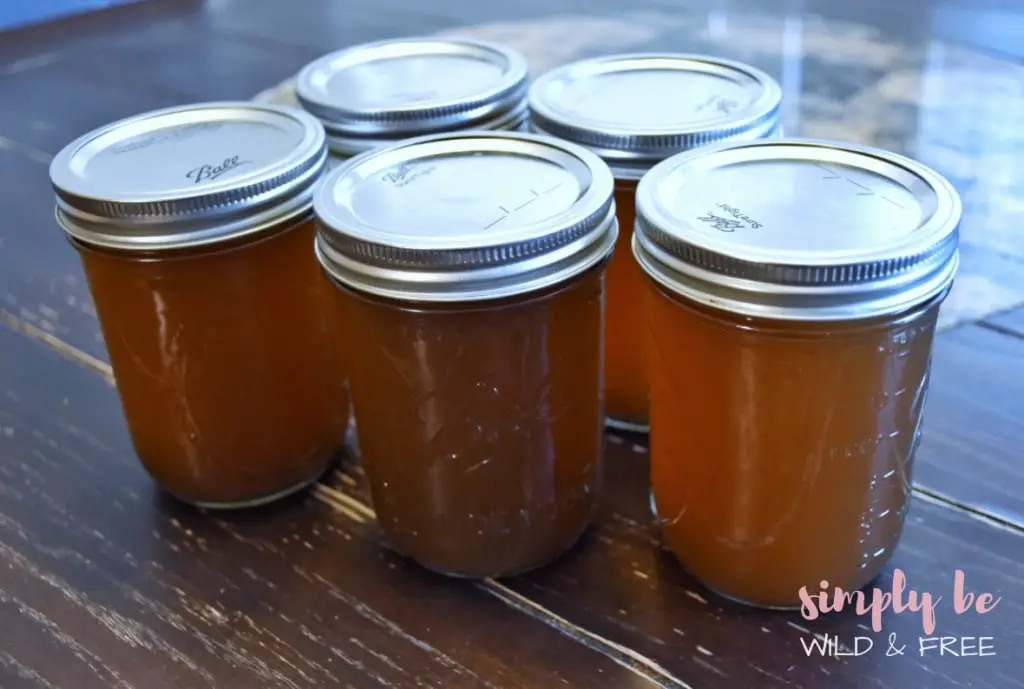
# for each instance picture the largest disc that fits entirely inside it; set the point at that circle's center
(361, 513)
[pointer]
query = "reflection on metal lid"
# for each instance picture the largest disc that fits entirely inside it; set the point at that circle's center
(468, 216)
(636, 110)
(188, 175)
(798, 229)
(390, 90)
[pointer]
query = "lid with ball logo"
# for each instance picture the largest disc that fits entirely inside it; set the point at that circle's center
(189, 176)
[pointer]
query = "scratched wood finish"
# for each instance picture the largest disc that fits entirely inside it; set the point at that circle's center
(622, 588)
(629, 589)
(41, 279)
(109, 583)
(40, 117)
(974, 422)
(1011, 322)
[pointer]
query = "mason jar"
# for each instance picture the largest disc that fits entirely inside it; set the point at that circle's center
(634, 111)
(376, 94)
(195, 228)
(472, 267)
(791, 299)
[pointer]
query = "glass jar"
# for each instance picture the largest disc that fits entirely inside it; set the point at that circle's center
(194, 225)
(791, 306)
(375, 94)
(473, 267)
(634, 111)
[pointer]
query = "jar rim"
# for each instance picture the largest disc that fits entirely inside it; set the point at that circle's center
(465, 216)
(444, 101)
(777, 249)
(727, 101)
(115, 188)
(347, 145)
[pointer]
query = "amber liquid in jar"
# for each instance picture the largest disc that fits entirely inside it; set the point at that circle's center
(227, 364)
(625, 365)
(781, 452)
(481, 424)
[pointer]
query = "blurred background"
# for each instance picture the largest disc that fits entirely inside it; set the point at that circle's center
(938, 80)
(15, 13)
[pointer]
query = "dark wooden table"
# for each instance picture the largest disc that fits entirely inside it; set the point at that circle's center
(104, 582)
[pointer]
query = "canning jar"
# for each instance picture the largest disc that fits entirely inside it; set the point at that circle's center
(375, 94)
(194, 225)
(634, 111)
(792, 294)
(472, 265)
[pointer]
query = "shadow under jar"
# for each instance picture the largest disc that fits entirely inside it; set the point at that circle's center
(791, 306)
(376, 94)
(634, 111)
(473, 267)
(195, 228)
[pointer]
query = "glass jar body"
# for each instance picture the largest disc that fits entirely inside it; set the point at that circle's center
(627, 387)
(625, 365)
(781, 452)
(227, 364)
(481, 424)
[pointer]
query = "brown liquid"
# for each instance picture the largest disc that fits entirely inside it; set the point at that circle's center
(226, 364)
(481, 425)
(781, 453)
(625, 366)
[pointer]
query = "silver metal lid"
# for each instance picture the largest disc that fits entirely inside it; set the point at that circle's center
(798, 229)
(466, 216)
(381, 92)
(636, 110)
(189, 175)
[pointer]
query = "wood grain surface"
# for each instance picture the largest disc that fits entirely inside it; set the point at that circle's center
(1011, 322)
(971, 449)
(41, 280)
(105, 582)
(119, 582)
(109, 583)
(117, 579)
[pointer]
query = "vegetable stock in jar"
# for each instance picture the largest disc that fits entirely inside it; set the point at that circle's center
(473, 267)
(634, 111)
(195, 228)
(792, 294)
